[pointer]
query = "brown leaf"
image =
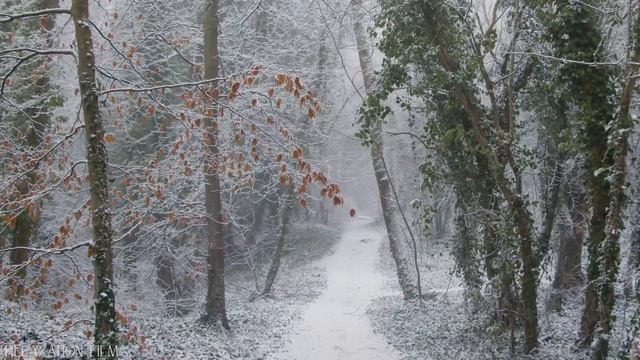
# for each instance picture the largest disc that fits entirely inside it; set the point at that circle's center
(109, 137)
(297, 153)
(337, 200)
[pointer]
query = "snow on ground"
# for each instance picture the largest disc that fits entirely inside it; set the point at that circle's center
(436, 329)
(335, 326)
(443, 327)
(259, 327)
(345, 306)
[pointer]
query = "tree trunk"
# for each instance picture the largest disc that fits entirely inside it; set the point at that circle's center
(576, 33)
(529, 275)
(106, 331)
(215, 308)
(24, 229)
(568, 272)
(165, 276)
(3, 243)
(27, 221)
(170, 285)
(632, 283)
(286, 205)
(320, 150)
(259, 214)
(511, 189)
(610, 248)
(389, 211)
(130, 254)
(599, 190)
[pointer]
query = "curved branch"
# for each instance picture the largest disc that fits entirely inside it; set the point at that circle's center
(5, 18)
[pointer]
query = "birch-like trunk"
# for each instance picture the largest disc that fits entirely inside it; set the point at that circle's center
(106, 331)
(389, 209)
(215, 308)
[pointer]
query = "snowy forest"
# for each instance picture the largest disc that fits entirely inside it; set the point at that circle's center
(319, 179)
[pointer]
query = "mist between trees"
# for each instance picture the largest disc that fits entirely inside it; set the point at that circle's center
(187, 162)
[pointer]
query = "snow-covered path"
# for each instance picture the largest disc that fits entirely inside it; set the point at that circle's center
(335, 326)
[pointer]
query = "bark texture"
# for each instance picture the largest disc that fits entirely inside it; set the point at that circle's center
(215, 308)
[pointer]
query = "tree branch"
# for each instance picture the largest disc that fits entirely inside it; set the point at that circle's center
(5, 18)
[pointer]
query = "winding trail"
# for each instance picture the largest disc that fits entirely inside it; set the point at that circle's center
(335, 326)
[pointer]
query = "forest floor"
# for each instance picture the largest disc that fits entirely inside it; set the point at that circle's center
(335, 299)
(443, 326)
(258, 328)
